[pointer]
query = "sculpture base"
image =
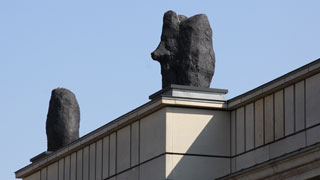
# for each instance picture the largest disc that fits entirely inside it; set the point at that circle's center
(189, 92)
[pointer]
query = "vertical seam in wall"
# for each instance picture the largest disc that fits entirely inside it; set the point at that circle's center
(254, 124)
(245, 129)
(284, 111)
(64, 167)
(139, 148)
(58, 170)
(263, 121)
(305, 109)
(231, 142)
(235, 138)
(116, 153)
(47, 172)
(108, 174)
(130, 145)
(82, 150)
(294, 107)
(89, 161)
(235, 133)
(75, 175)
(102, 152)
(70, 168)
(95, 159)
(274, 116)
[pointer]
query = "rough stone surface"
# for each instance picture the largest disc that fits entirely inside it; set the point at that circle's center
(63, 119)
(185, 52)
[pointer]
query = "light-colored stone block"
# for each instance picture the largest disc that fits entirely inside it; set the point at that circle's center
(85, 163)
(79, 164)
(249, 126)
(123, 148)
(190, 130)
(43, 174)
(287, 145)
(233, 133)
(135, 143)
(66, 168)
(52, 171)
(112, 156)
(34, 176)
(153, 169)
(179, 167)
(268, 119)
(278, 115)
(289, 110)
(299, 106)
(132, 174)
(259, 129)
(313, 135)
(313, 100)
(240, 130)
(92, 161)
(152, 135)
(99, 160)
(73, 166)
(105, 158)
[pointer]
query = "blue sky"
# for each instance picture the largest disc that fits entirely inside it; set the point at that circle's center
(100, 50)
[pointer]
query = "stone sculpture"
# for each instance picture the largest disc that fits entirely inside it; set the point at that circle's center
(185, 52)
(63, 119)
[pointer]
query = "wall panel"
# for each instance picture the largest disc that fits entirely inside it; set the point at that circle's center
(105, 158)
(299, 106)
(233, 133)
(123, 148)
(73, 166)
(249, 121)
(92, 160)
(268, 119)
(52, 173)
(67, 168)
(279, 114)
(240, 130)
(61, 169)
(259, 129)
(43, 174)
(34, 176)
(135, 143)
(99, 160)
(85, 174)
(112, 157)
(289, 110)
(313, 100)
(79, 164)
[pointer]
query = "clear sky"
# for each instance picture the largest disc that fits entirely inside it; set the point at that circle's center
(101, 49)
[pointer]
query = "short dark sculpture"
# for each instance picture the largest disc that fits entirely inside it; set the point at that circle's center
(185, 52)
(63, 119)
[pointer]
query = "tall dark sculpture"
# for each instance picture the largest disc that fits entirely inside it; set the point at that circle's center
(185, 52)
(63, 119)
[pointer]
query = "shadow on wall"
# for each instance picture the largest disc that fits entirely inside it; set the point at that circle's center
(198, 144)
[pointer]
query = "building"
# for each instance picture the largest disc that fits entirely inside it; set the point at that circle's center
(187, 133)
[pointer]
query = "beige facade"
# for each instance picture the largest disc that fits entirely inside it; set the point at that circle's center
(184, 133)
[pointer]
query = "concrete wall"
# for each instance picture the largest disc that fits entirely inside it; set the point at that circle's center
(164, 145)
(117, 155)
(276, 124)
